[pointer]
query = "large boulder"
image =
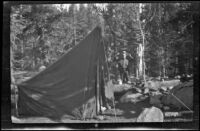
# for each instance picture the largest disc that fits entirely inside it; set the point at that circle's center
(152, 114)
(170, 83)
(15, 120)
(109, 90)
(132, 97)
(109, 94)
(122, 88)
(152, 85)
(157, 85)
(180, 96)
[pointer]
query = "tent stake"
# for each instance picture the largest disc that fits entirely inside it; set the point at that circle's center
(114, 109)
(98, 108)
(16, 107)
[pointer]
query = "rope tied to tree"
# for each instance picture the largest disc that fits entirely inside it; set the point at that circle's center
(181, 102)
(172, 94)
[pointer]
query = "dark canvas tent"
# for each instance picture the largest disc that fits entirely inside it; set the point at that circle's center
(71, 86)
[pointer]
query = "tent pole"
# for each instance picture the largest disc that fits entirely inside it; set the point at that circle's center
(114, 109)
(16, 101)
(106, 60)
(113, 100)
(98, 106)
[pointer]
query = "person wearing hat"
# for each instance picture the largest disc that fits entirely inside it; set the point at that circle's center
(129, 57)
(123, 68)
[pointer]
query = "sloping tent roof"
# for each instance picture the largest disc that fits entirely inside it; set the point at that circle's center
(67, 87)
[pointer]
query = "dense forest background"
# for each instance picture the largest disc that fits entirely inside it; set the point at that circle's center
(159, 36)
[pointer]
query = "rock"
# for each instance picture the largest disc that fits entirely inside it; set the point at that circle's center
(166, 107)
(153, 85)
(170, 83)
(109, 107)
(25, 78)
(188, 84)
(152, 114)
(123, 88)
(100, 117)
(170, 87)
(186, 78)
(15, 119)
(109, 90)
(138, 90)
(119, 81)
(157, 85)
(129, 82)
(172, 114)
(130, 97)
(146, 90)
(103, 108)
(178, 77)
(163, 88)
(42, 68)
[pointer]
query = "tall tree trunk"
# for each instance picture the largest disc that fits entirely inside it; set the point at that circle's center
(13, 82)
(190, 65)
(74, 21)
(11, 65)
(98, 107)
(140, 65)
(141, 47)
(33, 53)
(176, 65)
(137, 63)
(22, 51)
(164, 71)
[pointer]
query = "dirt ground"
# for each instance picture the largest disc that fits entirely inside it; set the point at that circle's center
(123, 112)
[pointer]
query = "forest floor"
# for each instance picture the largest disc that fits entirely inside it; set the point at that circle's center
(123, 111)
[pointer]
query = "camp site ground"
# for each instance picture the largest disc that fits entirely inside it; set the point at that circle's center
(65, 63)
(123, 112)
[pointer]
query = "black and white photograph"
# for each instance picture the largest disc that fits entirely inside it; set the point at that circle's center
(103, 62)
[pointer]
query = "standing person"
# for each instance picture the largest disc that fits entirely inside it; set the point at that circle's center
(130, 59)
(118, 68)
(123, 68)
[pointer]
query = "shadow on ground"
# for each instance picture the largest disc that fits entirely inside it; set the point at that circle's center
(129, 110)
(132, 110)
